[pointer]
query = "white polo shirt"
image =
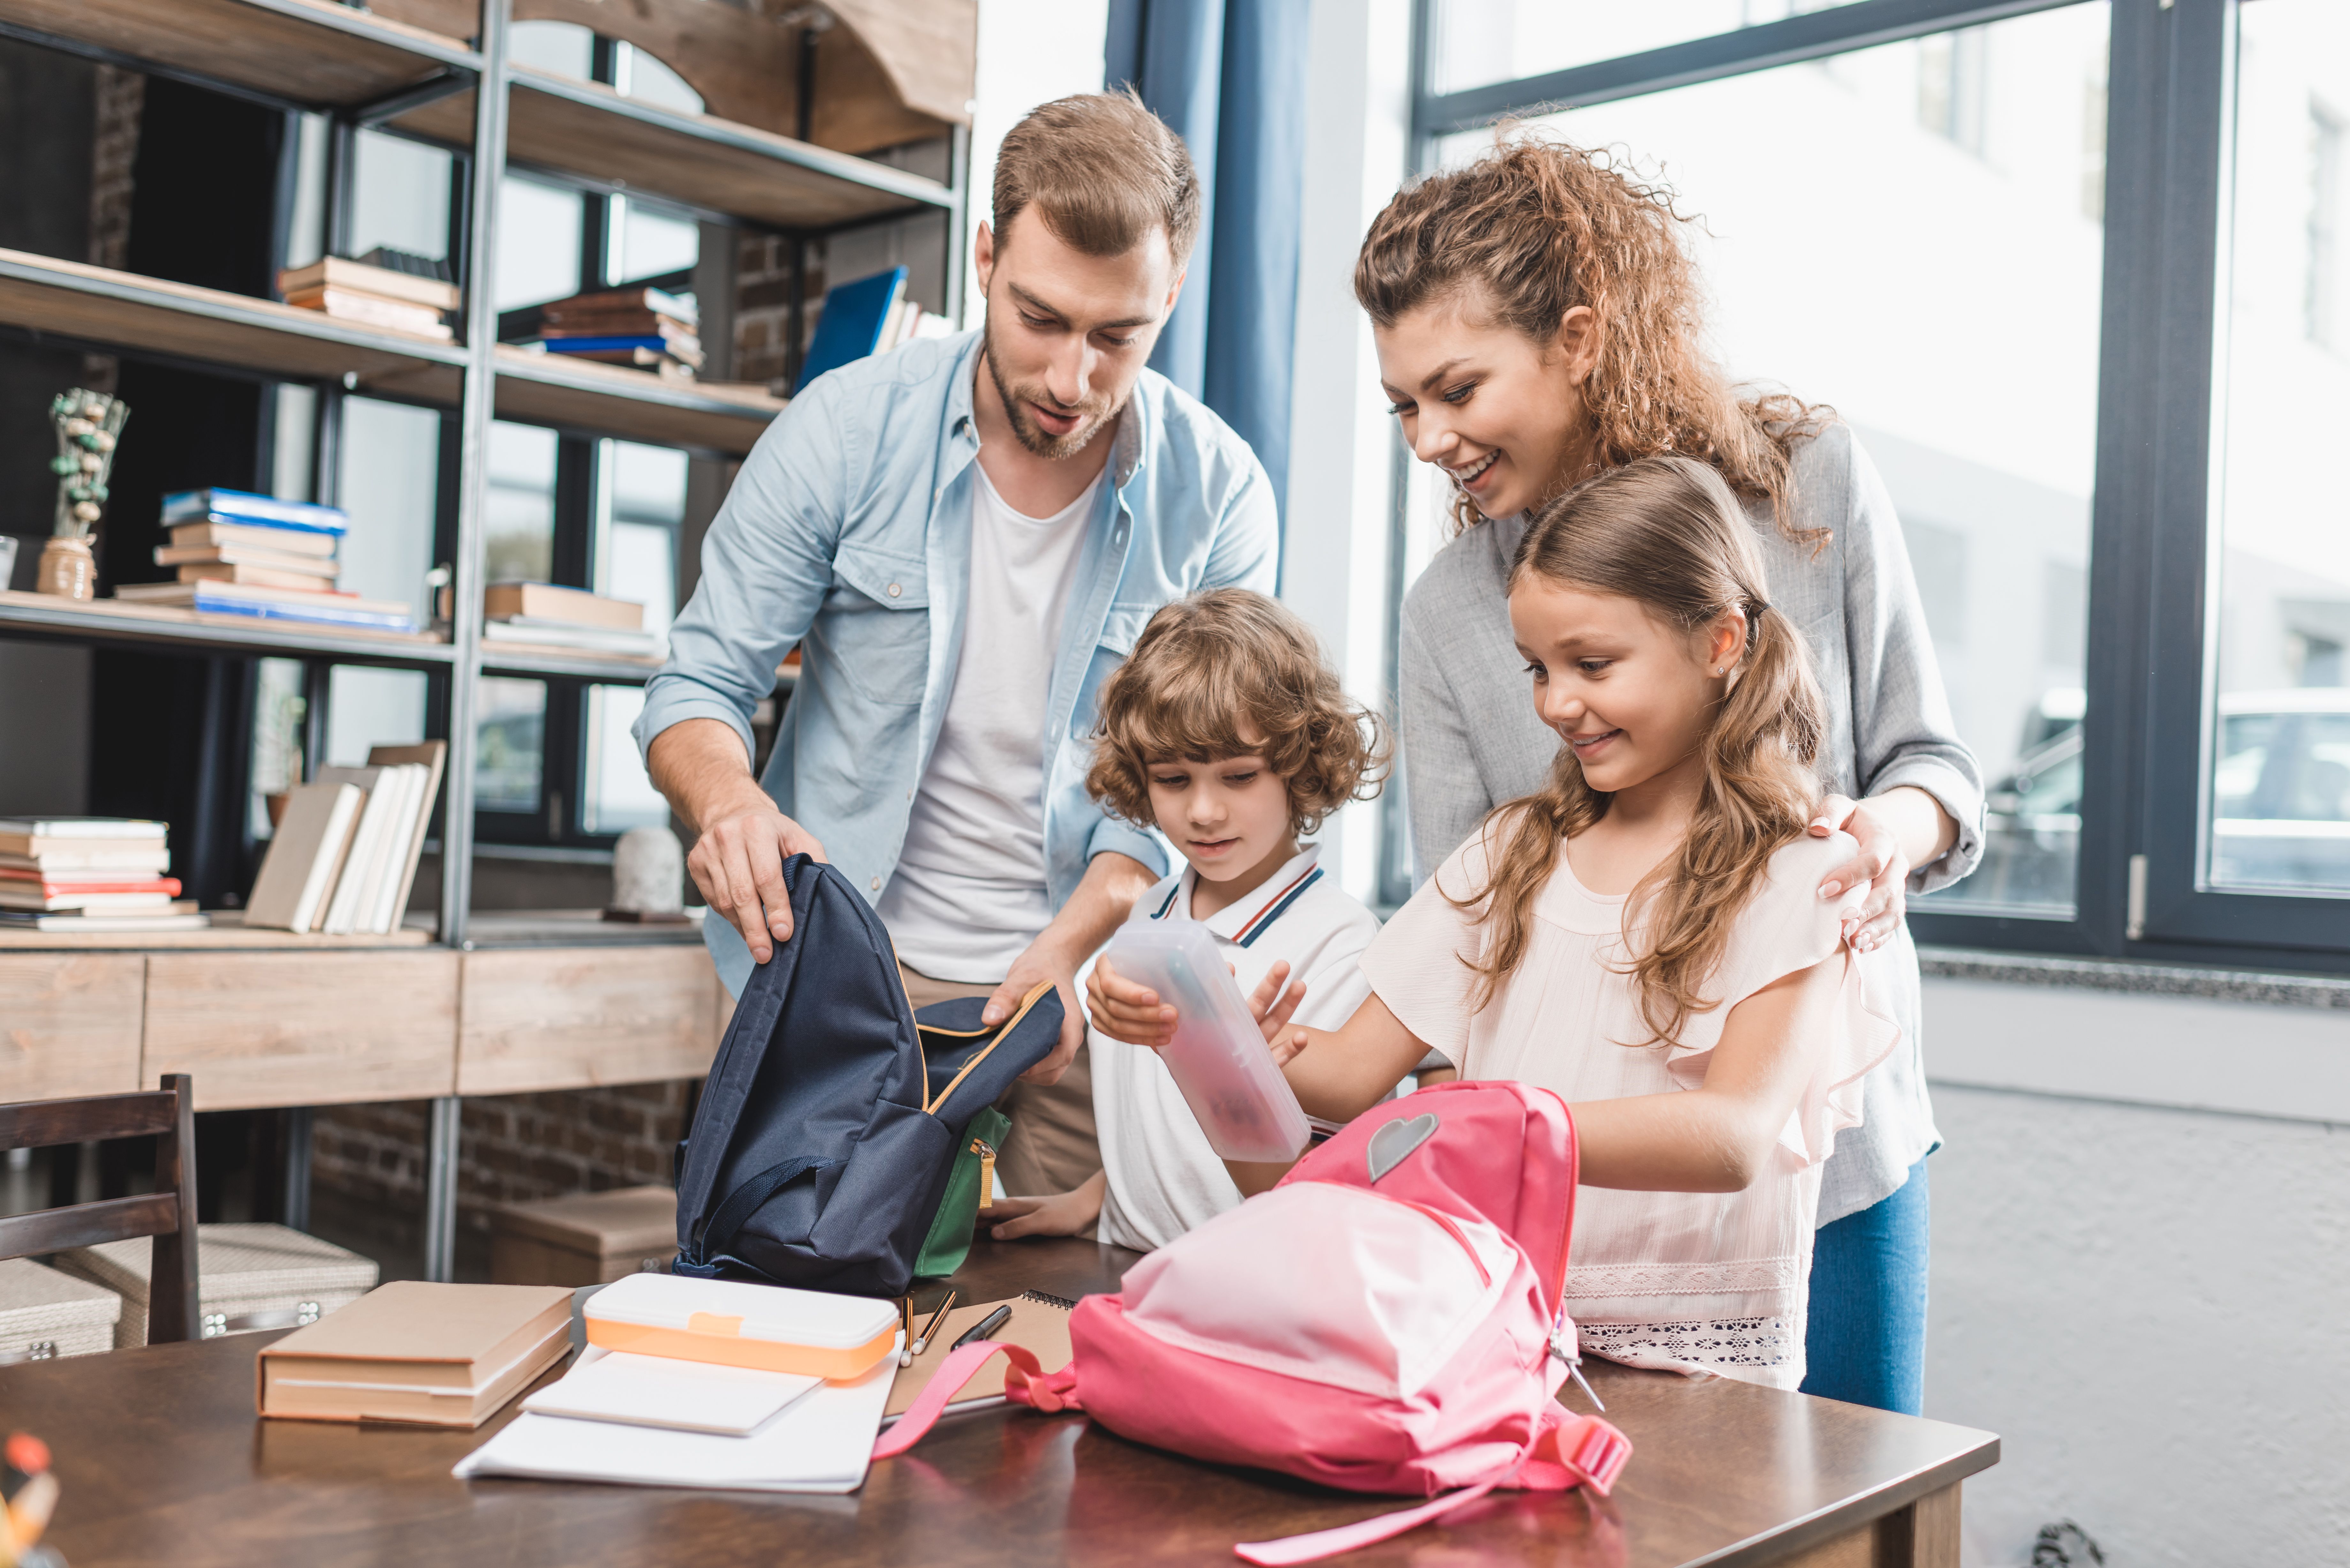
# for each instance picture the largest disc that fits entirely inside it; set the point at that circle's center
(1164, 1178)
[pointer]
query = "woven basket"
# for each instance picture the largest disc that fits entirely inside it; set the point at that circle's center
(255, 1277)
(45, 1313)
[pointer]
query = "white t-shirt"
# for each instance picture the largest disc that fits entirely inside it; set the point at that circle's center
(1710, 1281)
(1164, 1178)
(968, 896)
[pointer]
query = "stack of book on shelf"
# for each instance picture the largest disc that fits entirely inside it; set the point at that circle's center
(552, 617)
(386, 288)
(869, 315)
(255, 555)
(344, 855)
(650, 328)
(89, 874)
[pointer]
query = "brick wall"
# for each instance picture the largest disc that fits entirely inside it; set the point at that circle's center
(512, 1148)
(763, 303)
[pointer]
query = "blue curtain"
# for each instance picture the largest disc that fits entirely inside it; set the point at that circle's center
(1229, 75)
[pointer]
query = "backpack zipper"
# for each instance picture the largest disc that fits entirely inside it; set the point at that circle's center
(986, 1152)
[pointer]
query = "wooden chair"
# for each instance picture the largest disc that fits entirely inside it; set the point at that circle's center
(168, 1213)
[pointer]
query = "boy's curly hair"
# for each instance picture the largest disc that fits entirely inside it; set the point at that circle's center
(1228, 673)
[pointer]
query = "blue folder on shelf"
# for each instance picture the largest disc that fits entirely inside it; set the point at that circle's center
(850, 328)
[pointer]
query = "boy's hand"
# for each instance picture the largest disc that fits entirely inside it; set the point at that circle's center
(1272, 1008)
(1127, 1009)
(1063, 1214)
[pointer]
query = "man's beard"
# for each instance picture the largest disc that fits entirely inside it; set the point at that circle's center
(1097, 412)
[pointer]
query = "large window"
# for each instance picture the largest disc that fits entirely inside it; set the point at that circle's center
(2078, 279)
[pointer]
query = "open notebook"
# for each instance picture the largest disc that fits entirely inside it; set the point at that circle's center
(1039, 1324)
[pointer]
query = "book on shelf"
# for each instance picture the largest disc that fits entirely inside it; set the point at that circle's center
(273, 539)
(89, 859)
(253, 577)
(432, 756)
(373, 310)
(529, 631)
(611, 301)
(612, 349)
(76, 880)
(178, 917)
(381, 849)
(643, 324)
(666, 367)
(553, 602)
(314, 568)
(244, 508)
(86, 829)
(305, 854)
(360, 277)
(855, 315)
(317, 608)
(54, 896)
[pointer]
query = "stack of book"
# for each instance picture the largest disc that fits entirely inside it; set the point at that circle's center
(405, 294)
(433, 1354)
(255, 555)
(344, 855)
(867, 315)
(554, 617)
(647, 328)
(90, 874)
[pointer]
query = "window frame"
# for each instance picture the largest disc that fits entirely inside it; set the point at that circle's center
(2145, 736)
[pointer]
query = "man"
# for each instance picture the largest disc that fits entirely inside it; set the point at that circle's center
(963, 536)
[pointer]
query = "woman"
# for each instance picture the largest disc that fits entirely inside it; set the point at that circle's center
(1537, 323)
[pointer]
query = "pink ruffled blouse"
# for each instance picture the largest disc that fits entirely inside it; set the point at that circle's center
(1691, 1281)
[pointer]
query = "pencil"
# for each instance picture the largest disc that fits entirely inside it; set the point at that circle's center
(937, 1318)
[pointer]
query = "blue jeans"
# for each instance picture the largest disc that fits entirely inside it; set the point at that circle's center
(1865, 1343)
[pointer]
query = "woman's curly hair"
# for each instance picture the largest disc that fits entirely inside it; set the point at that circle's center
(1539, 226)
(1231, 673)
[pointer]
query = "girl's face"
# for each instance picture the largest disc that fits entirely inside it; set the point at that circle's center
(1499, 413)
(1631, 695)
(1228, 818)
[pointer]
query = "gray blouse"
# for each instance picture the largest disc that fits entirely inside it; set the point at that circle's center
(1472, 739)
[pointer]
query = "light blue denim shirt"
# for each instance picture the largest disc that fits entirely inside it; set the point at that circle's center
(848, 533)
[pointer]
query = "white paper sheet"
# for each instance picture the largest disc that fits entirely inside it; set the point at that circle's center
(821, 1443)
(656, 1391)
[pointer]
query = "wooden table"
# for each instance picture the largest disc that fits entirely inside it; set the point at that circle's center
(164, 1463)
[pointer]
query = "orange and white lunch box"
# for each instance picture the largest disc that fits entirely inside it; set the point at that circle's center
(730, 1324)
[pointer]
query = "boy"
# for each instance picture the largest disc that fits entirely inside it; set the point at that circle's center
(1225, 731)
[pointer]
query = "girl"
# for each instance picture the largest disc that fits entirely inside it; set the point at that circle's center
(1646, 935)
(1538, 322)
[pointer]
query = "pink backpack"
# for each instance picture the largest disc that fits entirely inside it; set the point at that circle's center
(1388, 1319)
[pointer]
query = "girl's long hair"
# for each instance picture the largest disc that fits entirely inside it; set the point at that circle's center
(1667, 532)
(1540, 227)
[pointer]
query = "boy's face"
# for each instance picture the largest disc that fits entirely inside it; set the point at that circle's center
(1228, 818)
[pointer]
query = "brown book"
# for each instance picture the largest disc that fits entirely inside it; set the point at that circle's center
(438, 1354)
(252, 537)
(618, 324)
(306, 855)
(340, 271)
(373, 310)
(574, 606)
(312, 566)
(259, 577)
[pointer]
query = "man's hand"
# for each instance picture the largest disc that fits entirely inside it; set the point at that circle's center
(1044, 960)
(1063, 1214)
(738, 864)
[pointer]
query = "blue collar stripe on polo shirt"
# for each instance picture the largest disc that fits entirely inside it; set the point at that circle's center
(1257, 927)
(1161, 913)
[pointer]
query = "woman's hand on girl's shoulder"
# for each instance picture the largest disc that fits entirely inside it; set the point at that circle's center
(1127, 1009)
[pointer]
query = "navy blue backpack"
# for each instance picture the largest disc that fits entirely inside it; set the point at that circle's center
(833, 1119)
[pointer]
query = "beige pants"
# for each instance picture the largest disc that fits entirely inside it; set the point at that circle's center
(1051, 1146)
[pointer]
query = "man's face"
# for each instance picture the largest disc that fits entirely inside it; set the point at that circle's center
(1068, 333)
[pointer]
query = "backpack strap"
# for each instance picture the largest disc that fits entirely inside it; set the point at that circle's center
(718, 1231)
(1570, 1450)
(1024, 1383)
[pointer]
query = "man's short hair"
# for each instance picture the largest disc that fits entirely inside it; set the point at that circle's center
(1103, 172)
(1212, 665)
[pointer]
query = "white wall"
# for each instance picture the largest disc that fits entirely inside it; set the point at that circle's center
(2146, 1301)
(1030, 52)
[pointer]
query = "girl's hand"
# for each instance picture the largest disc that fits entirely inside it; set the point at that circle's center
(1127, 1010)
(1272, 1008)
(1881, 863)
(1062, 1214)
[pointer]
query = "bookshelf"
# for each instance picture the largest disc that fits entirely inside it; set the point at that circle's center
(267, 1019)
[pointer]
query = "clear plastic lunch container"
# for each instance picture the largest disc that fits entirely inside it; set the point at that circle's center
(1217, 1056)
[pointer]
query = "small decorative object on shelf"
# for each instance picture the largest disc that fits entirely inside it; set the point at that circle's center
(648, 878)
(89, 426)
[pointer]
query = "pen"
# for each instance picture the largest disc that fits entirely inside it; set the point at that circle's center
(937, 1317)
(982, 1328)
(906, 1323)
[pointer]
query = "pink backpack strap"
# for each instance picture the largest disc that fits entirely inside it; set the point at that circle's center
(1024, 1383)
(1571, 1450)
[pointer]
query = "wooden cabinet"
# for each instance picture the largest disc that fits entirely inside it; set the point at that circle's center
(561, 1018)
(304, 1028)
(69, 1024)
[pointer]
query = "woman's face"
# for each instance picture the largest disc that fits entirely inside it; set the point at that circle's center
(1499, 413)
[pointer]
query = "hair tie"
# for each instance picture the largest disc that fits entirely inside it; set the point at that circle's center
(1754, 609)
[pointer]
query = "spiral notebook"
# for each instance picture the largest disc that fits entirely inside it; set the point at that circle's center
(1039, 1325)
